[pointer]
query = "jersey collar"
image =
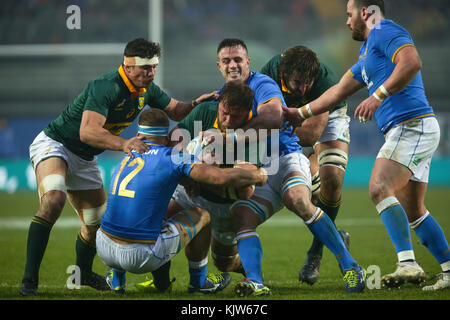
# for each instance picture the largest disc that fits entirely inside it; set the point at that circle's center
(133, 90)
(284, 88)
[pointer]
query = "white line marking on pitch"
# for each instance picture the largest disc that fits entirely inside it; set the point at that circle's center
(276, 221)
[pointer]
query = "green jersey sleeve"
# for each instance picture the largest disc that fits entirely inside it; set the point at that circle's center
(101, 94)
(155, 97)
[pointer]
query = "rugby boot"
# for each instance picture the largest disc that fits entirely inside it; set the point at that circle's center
(309, 273)
(355, 279)
(214, 283)
(405, 272)
(94, 280)
(149, 286)
(442, 283)
(247, 287)
(29, 287)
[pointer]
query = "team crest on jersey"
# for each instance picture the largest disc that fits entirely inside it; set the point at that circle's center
(141, 102)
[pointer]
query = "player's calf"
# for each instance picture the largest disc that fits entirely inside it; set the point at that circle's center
(226, 258)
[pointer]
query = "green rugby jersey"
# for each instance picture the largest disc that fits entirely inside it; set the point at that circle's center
(206, 114)
(112, 95)
(325, 80)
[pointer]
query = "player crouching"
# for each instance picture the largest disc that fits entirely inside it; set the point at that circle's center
(134, 236)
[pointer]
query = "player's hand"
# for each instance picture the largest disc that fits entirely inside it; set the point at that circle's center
(292, 116)
(366, 109)
(134, 143)
(209, 136)
(207, 96)
(264, 176)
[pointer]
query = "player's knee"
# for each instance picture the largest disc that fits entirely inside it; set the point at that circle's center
(298, 204)
(297, 198)
(52, 204)
(377, 190)
(204, 216)
(92, 217)
(331, 185)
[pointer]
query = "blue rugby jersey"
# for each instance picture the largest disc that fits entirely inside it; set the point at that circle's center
(265, 88)
(140, 192)
(375, 66)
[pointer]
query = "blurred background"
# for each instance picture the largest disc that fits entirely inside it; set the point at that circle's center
(45, 62)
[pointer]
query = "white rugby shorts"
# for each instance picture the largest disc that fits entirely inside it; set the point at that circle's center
(337, 128)
(81, 174)
(412, 143)
(139, 258)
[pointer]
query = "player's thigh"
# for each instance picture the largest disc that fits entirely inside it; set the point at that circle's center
(248, 214)
(333, 159)
(189, 223)
(387, 178)
(298, 199)
(412, 198)
(51, 183)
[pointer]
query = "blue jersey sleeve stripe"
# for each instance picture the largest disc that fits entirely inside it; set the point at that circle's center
(400, 48)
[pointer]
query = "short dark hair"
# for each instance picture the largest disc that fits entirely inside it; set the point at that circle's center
(143, 48)
(231, 42)
(300, 61)
(367, 3)
(154, 118)
(237, 94)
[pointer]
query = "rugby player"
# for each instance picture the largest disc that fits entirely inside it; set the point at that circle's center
(63, 155)
(288, 186)
(133, 236)
(389, 66)
(303, 78)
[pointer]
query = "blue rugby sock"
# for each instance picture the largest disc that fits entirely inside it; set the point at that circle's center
(324, 229)
(197, 272)
(397, 226)
(250, 252)
(432, 236)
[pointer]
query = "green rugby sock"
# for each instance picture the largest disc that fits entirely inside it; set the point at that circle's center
(331, 209)
(38, 235)
(85, 254)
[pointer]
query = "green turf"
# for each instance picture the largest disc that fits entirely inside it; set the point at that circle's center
(284, 244)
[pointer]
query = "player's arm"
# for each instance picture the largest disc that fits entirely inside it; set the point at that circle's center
(177, 110)
(94, 134)
(236, 177)
(270, 116)
(312, 129)
(346, 87)
(407, 65)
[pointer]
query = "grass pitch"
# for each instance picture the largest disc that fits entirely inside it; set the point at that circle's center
(285, 240)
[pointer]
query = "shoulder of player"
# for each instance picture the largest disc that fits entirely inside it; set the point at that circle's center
(107, 83)
(271, 67)
(207, 108)
(387, 28)
(259, 80)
